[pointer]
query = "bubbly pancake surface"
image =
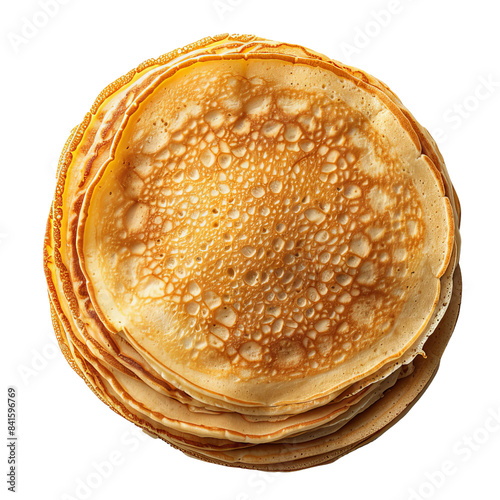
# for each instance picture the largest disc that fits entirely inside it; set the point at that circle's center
(229, 222)
(254, 226)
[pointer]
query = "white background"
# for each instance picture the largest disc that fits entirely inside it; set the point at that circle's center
(440, 56)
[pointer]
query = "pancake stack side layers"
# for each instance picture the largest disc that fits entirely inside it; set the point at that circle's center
(252, 253)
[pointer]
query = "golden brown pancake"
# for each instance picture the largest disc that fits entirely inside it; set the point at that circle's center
(249, 243)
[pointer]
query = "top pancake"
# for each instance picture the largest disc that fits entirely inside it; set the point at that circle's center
(266, 230)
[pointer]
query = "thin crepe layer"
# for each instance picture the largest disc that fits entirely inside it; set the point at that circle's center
(102, 354)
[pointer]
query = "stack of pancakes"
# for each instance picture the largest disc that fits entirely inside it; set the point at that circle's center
(252, 253)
